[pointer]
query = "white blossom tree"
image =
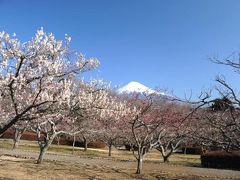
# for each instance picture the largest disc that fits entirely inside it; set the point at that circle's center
(91, 102)
(111, 124)
(19, 128)
(34, 74)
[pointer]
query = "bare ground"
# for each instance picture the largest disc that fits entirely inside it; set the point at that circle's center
(19, 164)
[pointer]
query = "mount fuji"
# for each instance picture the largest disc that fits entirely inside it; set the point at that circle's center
(136, 87)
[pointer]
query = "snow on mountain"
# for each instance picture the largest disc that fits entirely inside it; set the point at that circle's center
(136, 87)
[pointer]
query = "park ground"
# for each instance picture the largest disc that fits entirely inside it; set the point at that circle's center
(60, 163)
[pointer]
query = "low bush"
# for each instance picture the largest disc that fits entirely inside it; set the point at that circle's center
(221, 159)
(128, 147)
(191, 150)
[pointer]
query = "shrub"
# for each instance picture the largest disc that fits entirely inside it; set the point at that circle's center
(192, 150)
(221, 159)
(129, 147)
(97, 144)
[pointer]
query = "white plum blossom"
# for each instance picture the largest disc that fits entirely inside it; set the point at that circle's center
(36, 73)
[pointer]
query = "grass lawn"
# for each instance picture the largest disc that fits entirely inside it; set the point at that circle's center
(153, 156)
(83, 165)
(17, 168)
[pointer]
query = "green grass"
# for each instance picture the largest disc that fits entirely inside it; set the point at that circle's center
(5, 143)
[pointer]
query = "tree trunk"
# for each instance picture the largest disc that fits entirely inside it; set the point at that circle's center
(85, 144)
(17, 136)
(165, 159)
(58, 140)
(110, 150)
(185, 150)
(44, 147)
(73, 146)
(166, 156)
(42, 154)
(15, 144)
(165, 153)
(139, 165)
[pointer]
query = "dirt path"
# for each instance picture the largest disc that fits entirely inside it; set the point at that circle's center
(127, 165)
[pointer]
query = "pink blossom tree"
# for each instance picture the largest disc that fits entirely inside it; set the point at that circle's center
(143, 124)
(174, 129)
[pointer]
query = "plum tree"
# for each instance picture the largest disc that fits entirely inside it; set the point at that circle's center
(33, 74)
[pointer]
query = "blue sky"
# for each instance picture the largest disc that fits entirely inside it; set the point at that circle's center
(160, 43)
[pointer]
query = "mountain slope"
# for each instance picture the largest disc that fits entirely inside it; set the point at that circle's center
(136, 87)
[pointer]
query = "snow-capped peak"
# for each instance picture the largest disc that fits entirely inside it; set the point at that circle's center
(136, 87)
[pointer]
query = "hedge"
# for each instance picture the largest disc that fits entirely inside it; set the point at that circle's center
(221, 159)
(192, 150)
